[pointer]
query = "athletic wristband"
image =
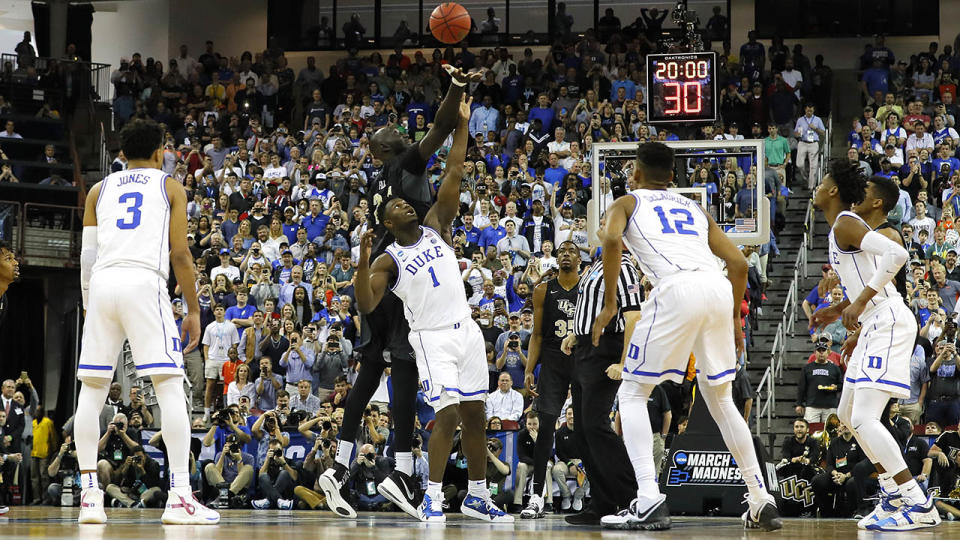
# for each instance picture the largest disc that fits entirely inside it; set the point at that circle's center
(449, 69)
(458, 83)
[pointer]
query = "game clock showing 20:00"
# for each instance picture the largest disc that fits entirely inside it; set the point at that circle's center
(682, 87)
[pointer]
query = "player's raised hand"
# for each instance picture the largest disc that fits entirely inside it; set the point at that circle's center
(190, 327)
(458, 75)
(465, 108)
(366, 246)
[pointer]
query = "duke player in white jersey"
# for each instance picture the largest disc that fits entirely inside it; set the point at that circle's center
(421, 268)
(134, 227)
(692, 308)
(883, 332)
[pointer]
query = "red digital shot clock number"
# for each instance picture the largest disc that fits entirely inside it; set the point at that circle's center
(681, 87)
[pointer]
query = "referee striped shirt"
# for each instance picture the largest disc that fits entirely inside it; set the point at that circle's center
(590, 296)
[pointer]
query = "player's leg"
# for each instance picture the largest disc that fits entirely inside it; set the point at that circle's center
(466, 341)
(552, 388)
(400, 488)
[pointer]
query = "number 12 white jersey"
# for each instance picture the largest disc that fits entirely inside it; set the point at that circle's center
(429, 282)
(667, 233)
(133, 221)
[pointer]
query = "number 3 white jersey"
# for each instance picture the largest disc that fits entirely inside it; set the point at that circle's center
(667, 233)
(429, 282)
(133, 221)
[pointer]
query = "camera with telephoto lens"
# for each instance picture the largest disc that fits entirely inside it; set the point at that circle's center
(370, 456)
(222, 417)
(327, 425)
(325, 443)
(234, 448)
(950, 329)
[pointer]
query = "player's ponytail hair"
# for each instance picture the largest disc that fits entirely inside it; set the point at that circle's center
(850, 180)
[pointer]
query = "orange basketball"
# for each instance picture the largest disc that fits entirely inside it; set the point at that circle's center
(450, 22)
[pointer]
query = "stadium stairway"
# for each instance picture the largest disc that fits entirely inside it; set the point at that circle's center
(798, 345)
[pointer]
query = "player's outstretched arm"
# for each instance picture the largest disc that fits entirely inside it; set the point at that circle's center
(443, 211)
(182, 262)
(737, 268)
(891, 256)
(88, 246)
(371, 282)
(616, 217)
(446, 119)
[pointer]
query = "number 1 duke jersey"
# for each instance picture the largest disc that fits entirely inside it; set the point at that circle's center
(667, 233)
(133, 221)
(429, 282)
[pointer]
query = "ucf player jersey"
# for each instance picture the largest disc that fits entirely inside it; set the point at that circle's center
(559, 306)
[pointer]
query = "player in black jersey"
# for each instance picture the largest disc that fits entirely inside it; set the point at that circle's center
(9, 272)
(554, 304)
(403, 174)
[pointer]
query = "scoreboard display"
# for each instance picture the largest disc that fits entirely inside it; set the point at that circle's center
(682, 87)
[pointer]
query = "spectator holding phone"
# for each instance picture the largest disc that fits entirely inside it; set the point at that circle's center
(944, 392)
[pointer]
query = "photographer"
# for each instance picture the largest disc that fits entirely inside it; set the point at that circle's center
(512, 360)
(372, 432)
(137, 483)
(232, 468)
(944, 392)
(297, 361)
(267, 428)
(318, 459)
(497, 472)
(276, 479)
(226, 424)
(114, 448)
(267, 385)
(366, 473)
(328, 428)
(63, 465)
(330, 364)
(137, 405)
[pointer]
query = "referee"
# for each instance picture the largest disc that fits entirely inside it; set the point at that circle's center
(604, 455)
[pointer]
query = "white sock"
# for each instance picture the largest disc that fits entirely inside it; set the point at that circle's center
(638, 436)
(736, 435)
(478, 488)
(404, 462)
(888, 484)
(912, 492)
(435, 491)
(86, 428)
(89, 481)
(344, 451)
(176, 429)
(206, 412)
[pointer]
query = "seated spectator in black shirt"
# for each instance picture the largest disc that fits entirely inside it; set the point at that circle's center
(137, 483)
(526, 440)
(843, 454)
(801, 448)
(569, 459)
(497, 472)
(276, 479)
(366, 473)
(114, 448)
(899, 426)
(916, 454)
(661, 416)
(946, 461)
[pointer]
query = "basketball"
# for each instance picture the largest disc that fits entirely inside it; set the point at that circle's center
(450, 22)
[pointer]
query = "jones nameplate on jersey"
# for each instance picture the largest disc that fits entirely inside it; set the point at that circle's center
(703, 468)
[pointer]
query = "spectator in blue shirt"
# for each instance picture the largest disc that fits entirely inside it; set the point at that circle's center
(622, 82)
(298, 360)
(746, 198)
(230, 225)
(491, 235)
(231, 465)
(471, 233)
(555, 173)
(543, 111)
(484, 118)
(290, 227)
(876, 79)
(241, 314)
(315, 222)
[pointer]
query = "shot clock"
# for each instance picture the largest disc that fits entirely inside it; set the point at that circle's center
(682, 87)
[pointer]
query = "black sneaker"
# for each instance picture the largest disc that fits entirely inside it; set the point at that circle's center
(400, 489)
(331, 482)
(762, 514)
(587, 517)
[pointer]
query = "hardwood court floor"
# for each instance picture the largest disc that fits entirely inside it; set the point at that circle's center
(54, 523)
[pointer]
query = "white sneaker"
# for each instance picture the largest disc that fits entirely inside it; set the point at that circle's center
(285, 504)
(261, 504)
(654, 518)
(577, 504)
(4, 510)
(909, 517)
(187, 510)
(886, 507)
(91, 506)
(565, 504)
(534, 508)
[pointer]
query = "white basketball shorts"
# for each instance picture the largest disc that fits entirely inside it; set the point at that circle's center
(881, 359)
(129, 304)
(452, 362)
(689, 312)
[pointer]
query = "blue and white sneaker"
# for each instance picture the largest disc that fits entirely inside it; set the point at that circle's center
(484, 509)
(889, 505)
(909, 517)
(431, 511)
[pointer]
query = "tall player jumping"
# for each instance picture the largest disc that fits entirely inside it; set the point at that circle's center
(677, 246)
(554, 303)
(134, 228)
(885, 330)
(421, 269)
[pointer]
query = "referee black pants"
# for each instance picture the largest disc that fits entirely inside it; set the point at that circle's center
(612, 482)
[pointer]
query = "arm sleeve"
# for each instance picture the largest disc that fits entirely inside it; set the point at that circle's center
(88, 257)
(892, 257)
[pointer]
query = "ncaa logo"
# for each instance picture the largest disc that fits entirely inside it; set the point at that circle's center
(680, 459)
